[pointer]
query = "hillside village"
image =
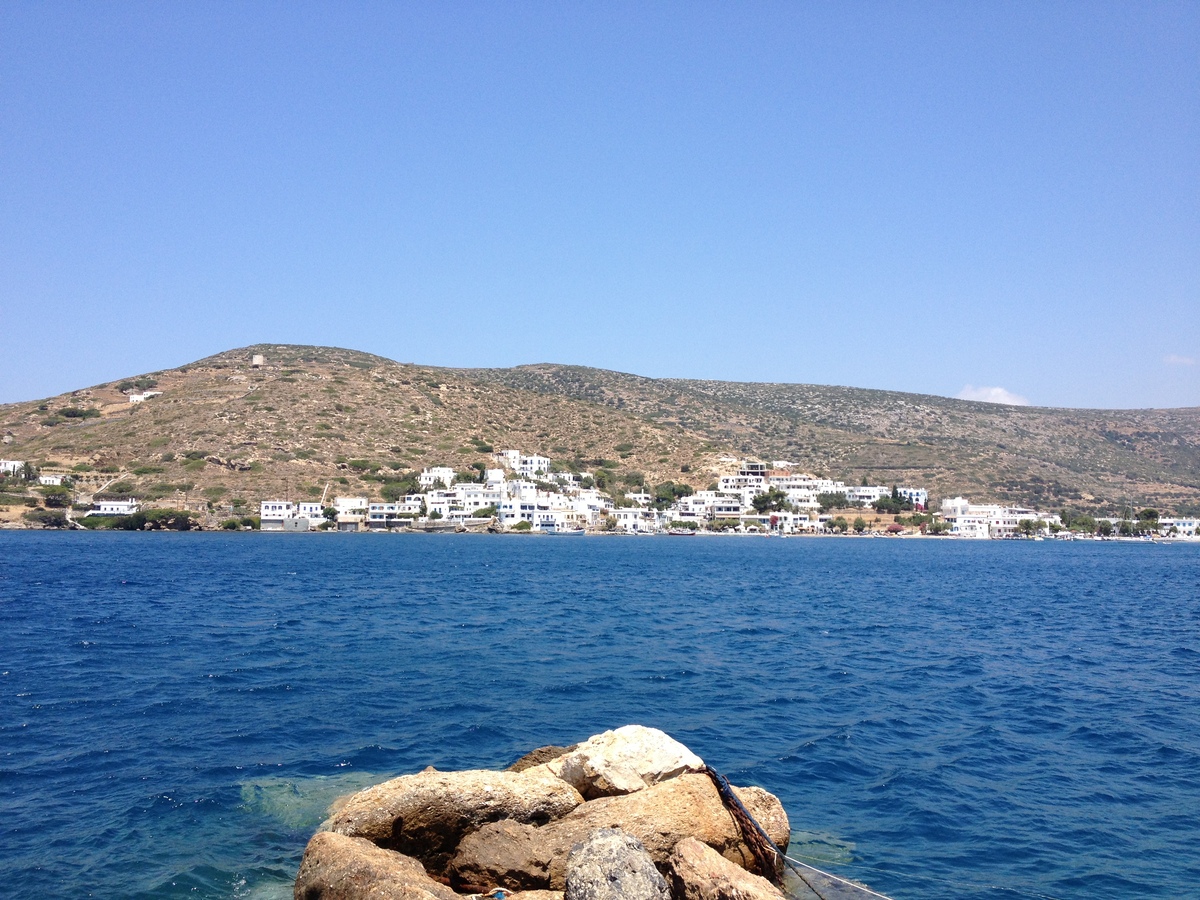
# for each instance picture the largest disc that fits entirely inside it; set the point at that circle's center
(528, 493)
(233, 439)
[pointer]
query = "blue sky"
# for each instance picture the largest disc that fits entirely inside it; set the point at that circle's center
(996, 198)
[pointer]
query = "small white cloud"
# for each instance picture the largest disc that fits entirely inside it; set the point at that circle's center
(992, 395)
(1173, 360)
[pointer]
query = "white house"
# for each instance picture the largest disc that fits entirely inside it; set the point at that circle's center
(273, 513)
(392, 515)
(314, 512)
(283, 515)
(140, 398)
(866, 495)
(530, 466)
(11, 466)
(635, 520)
(1183, 527)
(443, 475)
(114, 508)
(50, 479)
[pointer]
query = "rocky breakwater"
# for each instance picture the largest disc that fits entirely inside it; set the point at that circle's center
(629, 814)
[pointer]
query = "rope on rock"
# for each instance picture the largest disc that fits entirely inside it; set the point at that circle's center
(767, 855)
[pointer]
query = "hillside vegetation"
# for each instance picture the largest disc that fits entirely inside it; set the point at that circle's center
(226, 433)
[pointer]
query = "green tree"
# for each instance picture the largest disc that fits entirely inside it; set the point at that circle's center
(773, 500)
(55, 496)
(831, 500)
(860, 525)
(1104, 528)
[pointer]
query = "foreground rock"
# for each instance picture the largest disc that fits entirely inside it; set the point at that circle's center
(697, 872)
(336, 867)
(623, 761)
(602, 820)
(660, 817)
(612, 865)
(426, 815)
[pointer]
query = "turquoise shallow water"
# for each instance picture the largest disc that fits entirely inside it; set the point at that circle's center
(968, 720)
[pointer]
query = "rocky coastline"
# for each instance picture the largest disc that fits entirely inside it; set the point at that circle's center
(629, 814)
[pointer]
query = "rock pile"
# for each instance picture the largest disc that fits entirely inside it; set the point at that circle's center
(627, 815)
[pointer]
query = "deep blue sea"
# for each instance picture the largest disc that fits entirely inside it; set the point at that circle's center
(941, 719)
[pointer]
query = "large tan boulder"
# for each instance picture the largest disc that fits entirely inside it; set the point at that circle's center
(337, 867)
(659, 816)
(505, 853)
(426, 815)
(623, 761)
(696, 871)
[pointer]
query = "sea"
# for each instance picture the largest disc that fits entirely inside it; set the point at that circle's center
(941, 719)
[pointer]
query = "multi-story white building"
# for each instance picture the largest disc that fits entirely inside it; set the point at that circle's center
(271, 514)
(283, 515)
(635, 520)
(443, 475)
(11, 466)
(1182, 527)
(528, 466)
(989, 520)
(864, 495)
(391, 515)
(312, 511)
(462, 501)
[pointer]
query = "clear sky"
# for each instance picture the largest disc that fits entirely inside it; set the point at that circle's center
(999, 198)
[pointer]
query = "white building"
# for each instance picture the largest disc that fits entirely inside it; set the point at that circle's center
(1182, 527)
(273, 514)
(114, 508)
(398, 513)
(865, 495)
(462, 501)
(11, 466)
(283, 515)
(50, 479)
(443, 475)
(989, 520)
(531, 466)
(276, 509)
(141, 398)
(314, 512)
(635, 520)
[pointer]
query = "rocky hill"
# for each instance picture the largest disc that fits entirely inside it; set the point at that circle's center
(227, 433)
(1094, 459)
